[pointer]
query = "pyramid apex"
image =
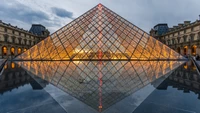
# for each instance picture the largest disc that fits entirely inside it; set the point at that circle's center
(99, 5)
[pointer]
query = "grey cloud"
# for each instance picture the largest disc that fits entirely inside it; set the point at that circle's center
(147, 13)
(62, 12)
(21, 12)
(23, 16)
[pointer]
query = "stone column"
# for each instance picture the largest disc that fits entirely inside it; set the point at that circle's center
(182, 51)
(15, 53)
(189, 51)
(8, 52)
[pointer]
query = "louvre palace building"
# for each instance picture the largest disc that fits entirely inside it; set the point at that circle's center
(14, 40)
(183, 38)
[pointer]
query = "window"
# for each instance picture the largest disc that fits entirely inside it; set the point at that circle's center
(185, 38)
(25, 41)
(29, 42)
(20, 40)
(178, 39)
(12, 65)
(13, 32)
(6, 38)
(19, 51)
(173, 41)
(168, 42)
(13, 39)
(4, 50)
(192, 37)
(185, 50)
(12, 51)
(5, 30)
(193, 52)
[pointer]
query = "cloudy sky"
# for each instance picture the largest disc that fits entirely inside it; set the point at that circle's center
(56, 13)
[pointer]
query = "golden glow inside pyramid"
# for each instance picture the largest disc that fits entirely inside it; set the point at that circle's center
(99, 34)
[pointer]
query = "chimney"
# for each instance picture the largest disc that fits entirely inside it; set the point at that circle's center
(175, 27)
(186, 22)
(170, 29)
(180, 25)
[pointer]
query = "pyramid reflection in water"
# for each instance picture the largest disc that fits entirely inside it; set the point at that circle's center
(100, 84)
(99, 34)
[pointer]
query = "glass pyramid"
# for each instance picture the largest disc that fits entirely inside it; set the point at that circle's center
(99, 34)
(100, 84)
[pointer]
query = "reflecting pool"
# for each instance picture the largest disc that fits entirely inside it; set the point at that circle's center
(99, 86)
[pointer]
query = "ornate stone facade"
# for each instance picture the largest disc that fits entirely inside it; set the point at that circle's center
(184, 38)
(14, 40)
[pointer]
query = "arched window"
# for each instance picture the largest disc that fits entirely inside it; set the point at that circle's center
(4, 50)
(12, 51)
(185, 50)
(193, 52)
(12, 65)
(6, 66)
(19, 51)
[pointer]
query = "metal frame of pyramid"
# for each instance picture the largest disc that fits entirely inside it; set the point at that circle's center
(81, 78)
(100, 34)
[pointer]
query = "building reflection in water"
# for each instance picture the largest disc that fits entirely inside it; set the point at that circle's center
(183, 78)
(100, 84)
(14, 76)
